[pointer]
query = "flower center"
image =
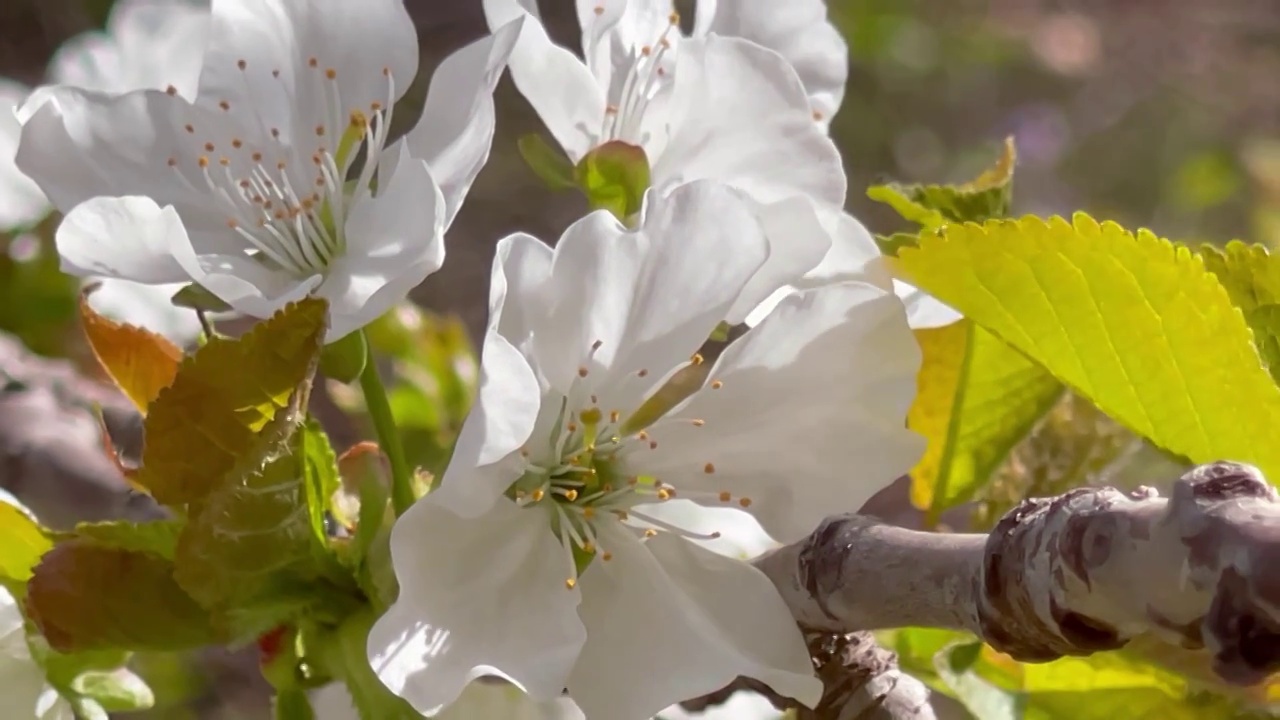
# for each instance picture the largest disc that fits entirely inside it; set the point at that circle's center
(289, 203)
(590, 471)
(645, 77)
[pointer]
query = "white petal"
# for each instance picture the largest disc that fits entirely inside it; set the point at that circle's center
(394, 241)
(500, 701)
(148, 44)
(249, 286)
(742, 705)
(924, 310)
(131, 238)
(495, 601)
(357, 40)
(456, 129)
(669, 621)
(21, 201)
(798, 240)
(852, 255)
(740, 115)
(26, 693)
(554, 81)
(798, 30)
(811, 416)
(739, 534)
(614, 31)
(79, 145)
(485, 460)
(650, 297)
(147, 306)
(521, 270)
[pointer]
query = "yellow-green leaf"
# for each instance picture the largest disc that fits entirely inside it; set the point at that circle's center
(1133, 323)
(158, 537)
(230, 403)
(22, 542)
(931, 206)
(1252, 279)
(85, 597)
(976, 398)
(140, 362)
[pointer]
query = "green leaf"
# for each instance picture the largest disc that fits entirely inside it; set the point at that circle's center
(987, 196)
(158, 538)
(197, 298)
(614, 177)
(230, 404)
(293, 704)
(345, 653)
(320, 474)
(252, 545)
(344, 360)
(83, 597)
(1134, 324)
(977, 398)
(547, 162)
(22, 542)
(978, 695)
(1252, 279)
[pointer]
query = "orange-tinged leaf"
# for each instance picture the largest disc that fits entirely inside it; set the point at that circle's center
(84, 596)
(141, 362)
(231, 402)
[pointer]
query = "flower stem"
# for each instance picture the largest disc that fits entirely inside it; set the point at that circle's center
(375, 399)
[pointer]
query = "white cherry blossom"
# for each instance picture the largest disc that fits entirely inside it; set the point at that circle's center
(566, 568)
(276, 180)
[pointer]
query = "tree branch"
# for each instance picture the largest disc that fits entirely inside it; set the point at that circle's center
(1086, 571)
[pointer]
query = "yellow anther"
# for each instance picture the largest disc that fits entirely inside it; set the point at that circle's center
(571, 495)
(725, 496)
(570, 584)
(696, 359)
(716, 384)
(582, 372)
(607, 556)
(538, 495)
(745, 502)
(664, 494)
(699, 423)
(708, 468)
(588, 513)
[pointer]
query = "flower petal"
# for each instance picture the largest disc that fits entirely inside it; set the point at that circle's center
(555, 82)
(131, 238)
(125, 57)
(147, 306)
(494, 603)
(852, 255)
(742, 705)
(79, 145)
(521, 270)
(21, 201)
(798, 240)
(809, 413)
(741, 116)
(249, 286)
(924, 310)
(288, 50)
(738, 533)
(394, 241)
(485, 459)
(456, 129)
(669, 621)
(644, 295)
(797, 30)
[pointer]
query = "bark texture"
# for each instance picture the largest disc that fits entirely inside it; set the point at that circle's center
(1076, 574)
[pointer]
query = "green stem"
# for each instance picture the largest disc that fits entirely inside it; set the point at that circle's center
(375, 399)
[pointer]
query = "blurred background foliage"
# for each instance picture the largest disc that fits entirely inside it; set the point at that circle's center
(1154, 113)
